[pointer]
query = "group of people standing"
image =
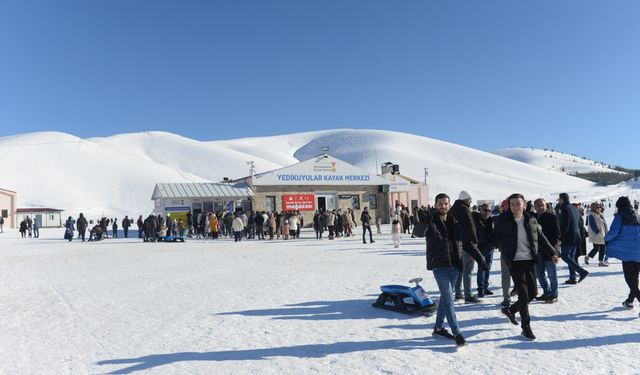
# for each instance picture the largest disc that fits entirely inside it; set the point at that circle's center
(28, 227)
(531, 237)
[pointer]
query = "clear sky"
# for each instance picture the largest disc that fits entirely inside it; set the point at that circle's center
(487, 74)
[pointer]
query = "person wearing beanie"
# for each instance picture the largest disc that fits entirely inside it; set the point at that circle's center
(570, 238)
(622, 242)
(462, 213)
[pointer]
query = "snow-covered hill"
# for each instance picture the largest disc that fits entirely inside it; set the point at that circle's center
(116, 175)
(554, 160)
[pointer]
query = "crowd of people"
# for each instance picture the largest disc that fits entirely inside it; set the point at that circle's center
(531, 236)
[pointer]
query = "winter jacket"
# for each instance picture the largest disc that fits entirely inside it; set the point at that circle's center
(462, 214)
(259, 220)
(597, 228)
(569, 225)
(444, 243)
(505, 236)
(550, 228)
(365, 217)
(237, 225)
(483, 231)
(331, 220)
(623, 239)
(214, 224)
(81, 223)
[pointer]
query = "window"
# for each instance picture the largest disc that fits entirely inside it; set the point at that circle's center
(50, 217)
(373, 201)
(355, 202)
(271, 203)
(5, 213)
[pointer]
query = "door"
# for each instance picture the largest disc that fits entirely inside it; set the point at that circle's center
(322, 203)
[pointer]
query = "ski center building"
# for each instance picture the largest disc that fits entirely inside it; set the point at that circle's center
(321, 183)
(176, 199)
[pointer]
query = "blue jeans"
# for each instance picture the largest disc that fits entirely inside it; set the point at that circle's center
(483, 276)
(237, 236)
(464, 277)
(446, 278)
(569, 257)
(550, 268)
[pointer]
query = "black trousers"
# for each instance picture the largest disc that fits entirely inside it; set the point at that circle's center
(524, 280)
(631, 271)
(597, 249)
(366, 227)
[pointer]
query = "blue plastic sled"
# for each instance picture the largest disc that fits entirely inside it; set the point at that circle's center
(407, 300)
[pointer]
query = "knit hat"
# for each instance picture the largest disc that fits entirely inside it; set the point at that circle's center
(623, 202)
(464, 195)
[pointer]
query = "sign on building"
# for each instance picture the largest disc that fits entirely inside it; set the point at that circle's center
(300, 202)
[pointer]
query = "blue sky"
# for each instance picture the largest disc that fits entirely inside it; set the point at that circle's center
(486, 74)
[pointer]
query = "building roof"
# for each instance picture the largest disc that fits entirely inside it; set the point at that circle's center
(37, 209)
(201, 190)
(2, 190)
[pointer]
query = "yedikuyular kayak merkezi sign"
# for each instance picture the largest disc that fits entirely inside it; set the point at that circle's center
(320, 170)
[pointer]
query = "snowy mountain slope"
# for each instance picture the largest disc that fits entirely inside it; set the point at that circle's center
(62, 171)
(554, 160)
(116, 174)
(204, 159)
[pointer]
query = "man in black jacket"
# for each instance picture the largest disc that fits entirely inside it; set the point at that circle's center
(570, 238)
(462, 213)
(444, 237)
(520, 238)
(365, 217)
(551, 230)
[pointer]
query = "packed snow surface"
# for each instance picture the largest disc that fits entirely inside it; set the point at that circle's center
(122, 306)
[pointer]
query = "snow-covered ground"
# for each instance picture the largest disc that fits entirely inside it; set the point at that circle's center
(273, 307)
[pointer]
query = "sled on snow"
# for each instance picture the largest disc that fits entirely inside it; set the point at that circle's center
(171, 239)
(406, 299)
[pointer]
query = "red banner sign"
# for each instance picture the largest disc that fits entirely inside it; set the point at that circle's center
(300, 202)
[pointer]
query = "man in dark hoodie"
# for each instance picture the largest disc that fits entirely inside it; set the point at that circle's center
(444, 237)
(520, 239)
(570, 238)
(462, 213)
